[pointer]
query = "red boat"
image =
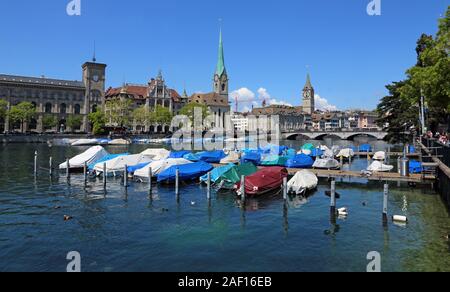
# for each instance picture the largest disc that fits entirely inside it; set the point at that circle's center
(264, 181)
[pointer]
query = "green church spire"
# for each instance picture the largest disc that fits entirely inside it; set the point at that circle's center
(220, 69)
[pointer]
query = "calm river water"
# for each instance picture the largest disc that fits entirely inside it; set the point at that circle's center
(128, 232)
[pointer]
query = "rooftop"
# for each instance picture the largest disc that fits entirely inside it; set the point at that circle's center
(40, 81)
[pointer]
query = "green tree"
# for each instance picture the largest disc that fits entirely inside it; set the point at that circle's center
(189, 109)
(141, 115)
(98, 121)
(74, 122)
(3, 108)
(22, 113)
(161, 115)
(119, 112)
(430, 78)
(49, 121)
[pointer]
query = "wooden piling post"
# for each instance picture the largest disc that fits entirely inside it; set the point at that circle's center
(285, 189)
(50, 165)
(177, 182)
(35, 163)
(68, 168)
(208, 191)
(243, 190)
(385, 204)
(125, 176)
(342, 161)
(333, 198)
(85, 171)
(150, 177)
(105, 175)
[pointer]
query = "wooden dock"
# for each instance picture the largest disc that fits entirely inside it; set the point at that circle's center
(390, 154)
(376, 176)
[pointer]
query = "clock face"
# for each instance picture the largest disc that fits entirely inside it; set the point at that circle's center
(307, 94)
(95, 78)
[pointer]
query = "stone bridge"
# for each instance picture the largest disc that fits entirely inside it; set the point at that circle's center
(343, 135)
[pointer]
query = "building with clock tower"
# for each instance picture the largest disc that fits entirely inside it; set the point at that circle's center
(309, 106)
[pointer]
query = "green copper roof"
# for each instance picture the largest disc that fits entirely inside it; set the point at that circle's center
(308, 82)
(220, 69)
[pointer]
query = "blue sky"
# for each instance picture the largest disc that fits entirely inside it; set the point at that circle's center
(268, 44)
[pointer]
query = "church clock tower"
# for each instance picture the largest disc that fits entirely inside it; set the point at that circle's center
(308, 97)
(221, 76)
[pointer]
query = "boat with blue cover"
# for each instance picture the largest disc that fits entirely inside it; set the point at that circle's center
(300, 161)
(187, 172)
(217, 172)
(252, 157)
(178, 154)
(105, 159)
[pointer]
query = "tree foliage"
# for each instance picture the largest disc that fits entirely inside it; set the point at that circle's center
(98, 121)
(161, 115)
(119, 112)
(3, 108)
(430, 78)
(49, 121)
(22, 113)
(74, 122)
(189, 110)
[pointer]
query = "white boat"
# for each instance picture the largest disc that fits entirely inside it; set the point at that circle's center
(380, 155)
(346, 153)
(232, 157)
(326, 163)
(303, 181)
(378, 166)
(160, 166)
(85, 142)
(117, 165)
(156, 154)
(119, 142)
(305, 151)
(90, 156)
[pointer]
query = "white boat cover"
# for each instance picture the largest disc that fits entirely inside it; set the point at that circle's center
(323, 148)
(233, 157)
(305, 151)
(85, 142)
(336, 149)
(118, 164)
(326, 163)
(328, 153)
(346, 153)
(381, 155)
(90, 156)
(160, 166)
(302, 181)
(119, 142)
(378, 166)
(156, 154)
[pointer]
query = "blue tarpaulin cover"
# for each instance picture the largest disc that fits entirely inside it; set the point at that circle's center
(187, 172)
(132, 169)
(178, 154)
(415, 167)
(300, 161)
(209, 156)
(106, 158)
(252, 157)
(365, 148)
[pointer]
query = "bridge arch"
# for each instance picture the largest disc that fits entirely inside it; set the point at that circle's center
(354, 135)
(294, 136)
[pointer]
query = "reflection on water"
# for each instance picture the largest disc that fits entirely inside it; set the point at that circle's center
(129, 230)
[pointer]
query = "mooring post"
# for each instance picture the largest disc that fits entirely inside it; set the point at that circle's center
(243, 190)
(35, 162)
(285, 189)
(68, 168)
(388, 155)
(399, 165)
(104, 176)
(85, 171)
(50, 165)
(208, 191)
(385, 204)
(350, 160)
(333, 198)
(342, 161)
(177, 182)
(150, 177)
(125, 176)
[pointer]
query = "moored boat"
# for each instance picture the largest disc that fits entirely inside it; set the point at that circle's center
(264, 181)
(187, 172)
(302, 182)
(89, 156)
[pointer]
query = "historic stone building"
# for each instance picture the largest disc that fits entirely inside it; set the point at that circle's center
(155, 93)
(59, 98)
(218, 100)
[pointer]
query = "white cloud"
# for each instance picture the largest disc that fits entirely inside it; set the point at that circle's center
(243, 94)
(263, 94)
(323, 104)
(278, 102)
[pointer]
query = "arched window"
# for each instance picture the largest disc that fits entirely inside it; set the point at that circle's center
(223, 86)
(63, 109)
(77, 109)
(48, 108)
